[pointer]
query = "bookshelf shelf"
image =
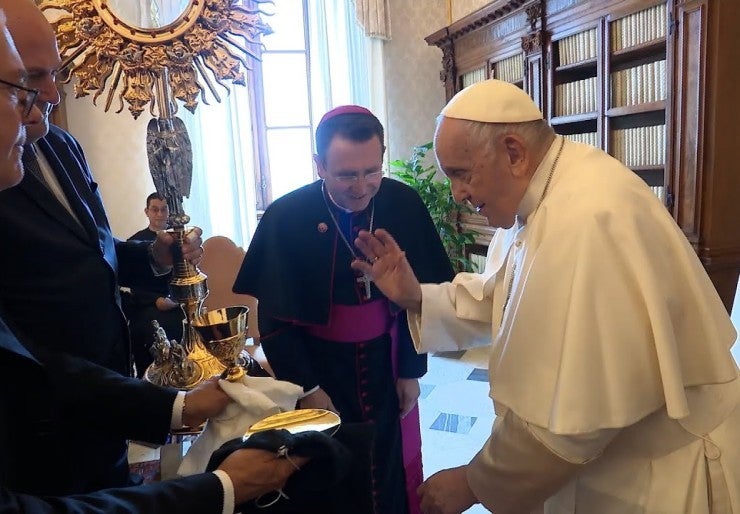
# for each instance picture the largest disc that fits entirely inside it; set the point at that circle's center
(653, 175)
(574, 118)
(647, 169)
(656, 47)
(636, 109)
(577, 66)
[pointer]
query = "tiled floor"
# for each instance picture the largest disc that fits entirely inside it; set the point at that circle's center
(455, 410)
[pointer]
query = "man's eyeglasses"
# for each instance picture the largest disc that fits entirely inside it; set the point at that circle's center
(26, 97)
(354, 179)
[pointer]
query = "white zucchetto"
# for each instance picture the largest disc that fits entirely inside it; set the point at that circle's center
(492, 101)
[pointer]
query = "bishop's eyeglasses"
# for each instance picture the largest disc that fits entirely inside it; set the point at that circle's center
(26, 96)
(354, 179)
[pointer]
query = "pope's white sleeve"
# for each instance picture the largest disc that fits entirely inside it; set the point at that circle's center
(575, 448)
(520, 465)
(451, 319)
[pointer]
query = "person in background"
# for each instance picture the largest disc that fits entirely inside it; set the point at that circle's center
(64, 267)
(329, 329)
(610, 369)
(42, 393)
(158, 213)
(154, 302)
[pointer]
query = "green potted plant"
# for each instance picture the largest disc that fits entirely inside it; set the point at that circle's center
(437, 196)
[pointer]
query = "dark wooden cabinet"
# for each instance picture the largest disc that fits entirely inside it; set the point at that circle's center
(654, 83)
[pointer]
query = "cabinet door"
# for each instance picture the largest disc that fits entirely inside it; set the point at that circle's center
(688, 39)
(535, 84)
(534, 67)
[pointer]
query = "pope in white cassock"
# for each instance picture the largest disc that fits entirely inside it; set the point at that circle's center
(610, 367)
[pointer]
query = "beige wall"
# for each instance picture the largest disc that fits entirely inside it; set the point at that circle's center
(115, 147)
(461, 8)
(413, 90)
(415, 94)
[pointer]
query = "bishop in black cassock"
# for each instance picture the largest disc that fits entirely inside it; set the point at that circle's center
(319, 328)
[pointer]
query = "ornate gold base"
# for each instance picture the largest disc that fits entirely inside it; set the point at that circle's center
(199, 365)
(234, 373)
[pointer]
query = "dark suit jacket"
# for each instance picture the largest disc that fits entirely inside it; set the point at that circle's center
(44, 397)
(59, 280)
(160, 288)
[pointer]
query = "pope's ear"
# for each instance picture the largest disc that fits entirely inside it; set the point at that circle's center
(517, 154)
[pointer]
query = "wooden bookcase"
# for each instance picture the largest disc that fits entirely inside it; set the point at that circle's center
(652, 82)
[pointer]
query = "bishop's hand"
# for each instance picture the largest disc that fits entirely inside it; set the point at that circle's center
(388, 268)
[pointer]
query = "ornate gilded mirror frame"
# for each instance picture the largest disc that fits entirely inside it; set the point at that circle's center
(212, 41)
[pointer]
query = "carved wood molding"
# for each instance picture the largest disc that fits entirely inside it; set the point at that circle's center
(533, 43)
(449, 71)
(492, 34)
(481, 17)
(535, 13)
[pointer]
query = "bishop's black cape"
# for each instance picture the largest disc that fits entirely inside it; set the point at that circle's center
(297, 266)
(291, 265)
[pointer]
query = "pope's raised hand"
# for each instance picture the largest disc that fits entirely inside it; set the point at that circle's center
(388, 267)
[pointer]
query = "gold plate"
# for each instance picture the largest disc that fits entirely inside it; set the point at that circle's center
(301, 420)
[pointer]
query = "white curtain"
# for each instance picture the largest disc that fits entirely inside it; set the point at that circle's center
(346, 65)
(222, 200)
(375, 17)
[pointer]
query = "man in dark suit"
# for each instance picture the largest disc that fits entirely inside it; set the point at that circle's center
(44, 397)
(62, 266)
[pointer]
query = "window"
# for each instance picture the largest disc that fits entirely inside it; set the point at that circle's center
(282, 93)
(313, 61)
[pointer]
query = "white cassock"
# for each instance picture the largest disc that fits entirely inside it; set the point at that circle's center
(610, 366)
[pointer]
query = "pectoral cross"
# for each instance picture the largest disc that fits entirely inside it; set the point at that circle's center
(366, 281)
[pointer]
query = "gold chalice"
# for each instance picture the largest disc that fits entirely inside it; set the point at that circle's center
(223, 333)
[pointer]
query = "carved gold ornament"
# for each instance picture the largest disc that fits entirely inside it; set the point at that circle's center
(211, 42)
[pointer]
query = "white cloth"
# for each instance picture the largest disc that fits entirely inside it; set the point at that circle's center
(177, 408)
(612, 323)
(255, 398)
